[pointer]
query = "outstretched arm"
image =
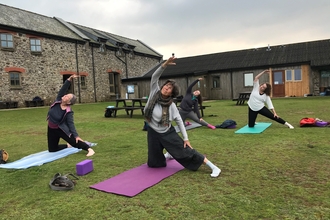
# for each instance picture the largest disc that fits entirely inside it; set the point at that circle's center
(155, 76)
(189, 89)
(65, 87)
(169, 61)
(260, 74)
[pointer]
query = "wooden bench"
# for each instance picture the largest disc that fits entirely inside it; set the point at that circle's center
(34, 103)
(129, 110)
(8, 104)
(243, 96)
(200, 107)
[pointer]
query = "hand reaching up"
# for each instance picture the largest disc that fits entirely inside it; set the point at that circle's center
(170, 61)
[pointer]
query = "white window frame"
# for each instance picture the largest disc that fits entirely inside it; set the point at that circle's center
(248, 79)
(292, 74)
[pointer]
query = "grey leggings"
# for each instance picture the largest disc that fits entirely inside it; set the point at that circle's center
(192, 116)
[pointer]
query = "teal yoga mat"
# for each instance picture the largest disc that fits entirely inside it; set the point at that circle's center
(258, 128)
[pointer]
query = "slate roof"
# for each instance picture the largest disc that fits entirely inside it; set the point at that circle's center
(113, 39)
(29, 21)
(315, 53)
(14, 18)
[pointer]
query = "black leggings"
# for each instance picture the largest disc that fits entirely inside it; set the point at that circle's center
(265, 112)
(173, 143)
(54, 135)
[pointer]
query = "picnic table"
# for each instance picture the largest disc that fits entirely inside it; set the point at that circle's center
(122, 104)
(243, 96)
(201, 107)
(137, 104)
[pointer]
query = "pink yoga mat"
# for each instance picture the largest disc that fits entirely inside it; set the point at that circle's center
(132, 182)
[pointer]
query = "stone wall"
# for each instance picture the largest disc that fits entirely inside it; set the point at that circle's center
(44, 73)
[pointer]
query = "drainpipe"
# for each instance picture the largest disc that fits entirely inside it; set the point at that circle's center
(78, 71)
(124, 62)
(94, 79)
(232, 86)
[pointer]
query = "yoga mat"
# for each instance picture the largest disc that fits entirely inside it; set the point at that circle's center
(134, 181)
(41, 158)
(258, 128)
(188, 127)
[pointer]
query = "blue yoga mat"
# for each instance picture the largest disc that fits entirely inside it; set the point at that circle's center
(40, 158)
(191, 126)
(258, 128)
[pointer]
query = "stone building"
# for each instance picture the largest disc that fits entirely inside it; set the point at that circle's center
(38, 53)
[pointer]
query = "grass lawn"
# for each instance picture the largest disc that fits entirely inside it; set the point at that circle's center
(278, 174)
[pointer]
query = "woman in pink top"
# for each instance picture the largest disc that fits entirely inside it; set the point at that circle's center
(259, 96)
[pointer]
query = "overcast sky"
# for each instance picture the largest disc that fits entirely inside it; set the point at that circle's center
(195, 27)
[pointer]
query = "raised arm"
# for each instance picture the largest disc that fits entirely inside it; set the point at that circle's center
(65, 87)
(260, 74)
(189, 89)
(169, 61)
(155, 76)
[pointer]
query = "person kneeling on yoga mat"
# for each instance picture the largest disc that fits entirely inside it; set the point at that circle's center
(189, 106)
(160, 111)
(259, 96)
(60, 122)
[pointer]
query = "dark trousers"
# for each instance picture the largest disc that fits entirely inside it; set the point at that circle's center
(265, 112)
(173, 143)
(53, 137)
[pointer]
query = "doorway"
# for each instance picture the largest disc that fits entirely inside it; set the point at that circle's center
(70, 89)
(114, 84)
(278, 83)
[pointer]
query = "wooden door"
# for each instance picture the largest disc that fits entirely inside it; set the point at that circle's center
(278, 85)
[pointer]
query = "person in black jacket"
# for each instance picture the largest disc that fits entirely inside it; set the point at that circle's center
(60, 122)
(189, 106)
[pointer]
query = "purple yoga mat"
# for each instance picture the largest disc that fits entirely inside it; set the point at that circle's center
(132, 182)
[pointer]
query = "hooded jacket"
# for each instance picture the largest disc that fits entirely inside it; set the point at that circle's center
(66, 124)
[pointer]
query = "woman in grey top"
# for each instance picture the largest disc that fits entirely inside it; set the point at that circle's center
(160, 111)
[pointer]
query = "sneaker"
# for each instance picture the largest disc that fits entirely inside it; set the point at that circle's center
(188, 123)
(211, 126)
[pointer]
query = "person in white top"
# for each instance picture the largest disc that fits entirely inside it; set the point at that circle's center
(259, 96)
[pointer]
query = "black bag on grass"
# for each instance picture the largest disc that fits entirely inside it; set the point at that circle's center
(62, 182)
(227, 124)
(108, 113)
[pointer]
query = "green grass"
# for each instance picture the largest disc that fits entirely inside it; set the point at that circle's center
(278, 174)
